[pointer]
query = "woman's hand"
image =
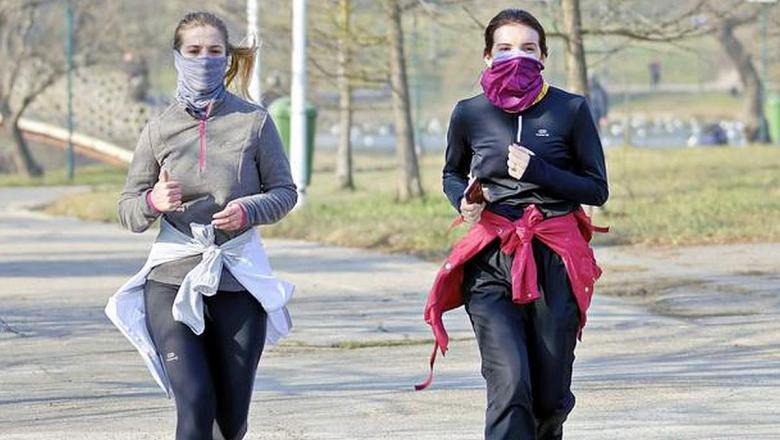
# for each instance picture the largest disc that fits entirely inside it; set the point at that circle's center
(166, 194)
(518, 160)
(231, 218)
(471, 212)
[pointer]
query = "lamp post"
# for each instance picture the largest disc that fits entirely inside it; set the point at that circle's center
(298, 100)
(253, 29)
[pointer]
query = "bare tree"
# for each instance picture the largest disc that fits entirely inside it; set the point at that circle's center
(338, 41)
(576, 69)
(16, 32)
(33, 61)
(701, 17)
(342, 42)
(748, 75)
(344, 152)
(408, 185)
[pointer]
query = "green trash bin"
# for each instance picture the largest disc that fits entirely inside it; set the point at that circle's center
(773, 117)
(280, 112)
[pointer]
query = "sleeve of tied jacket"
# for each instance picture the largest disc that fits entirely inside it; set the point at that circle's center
(588, 184)
(134, 212)
(457, 159)
(278, 194)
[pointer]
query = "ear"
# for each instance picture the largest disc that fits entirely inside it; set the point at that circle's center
(488, 61)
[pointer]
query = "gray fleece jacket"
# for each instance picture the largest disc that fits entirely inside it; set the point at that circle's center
(240, 159)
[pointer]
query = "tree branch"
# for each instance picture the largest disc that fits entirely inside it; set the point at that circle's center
(472, 17)
(17, 64)
(365, 77)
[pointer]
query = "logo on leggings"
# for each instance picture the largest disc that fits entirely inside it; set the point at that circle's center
(170, 357)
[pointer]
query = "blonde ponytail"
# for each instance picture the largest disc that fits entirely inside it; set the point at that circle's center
(242, 61)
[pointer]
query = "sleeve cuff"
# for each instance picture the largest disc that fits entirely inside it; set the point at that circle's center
(533, 171)
(458, 201)
(150, 210)
(245, 219)
(244, 216)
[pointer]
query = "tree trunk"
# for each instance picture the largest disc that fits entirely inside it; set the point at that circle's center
(344, 152)
(754, 112)
(22, 156)
(409, 185)
(576, 69)
(23, 159)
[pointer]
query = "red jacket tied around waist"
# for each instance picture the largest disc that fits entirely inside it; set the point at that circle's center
(568, 236)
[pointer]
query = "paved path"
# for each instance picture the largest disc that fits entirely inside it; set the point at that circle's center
(690, 350)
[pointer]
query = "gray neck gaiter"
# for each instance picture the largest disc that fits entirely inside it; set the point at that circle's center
(200, 82)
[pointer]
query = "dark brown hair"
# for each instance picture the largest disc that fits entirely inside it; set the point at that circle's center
(514, 16)
(242, 59)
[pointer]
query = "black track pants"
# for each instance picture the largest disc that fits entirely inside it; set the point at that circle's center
(211, 374)
(527, 350)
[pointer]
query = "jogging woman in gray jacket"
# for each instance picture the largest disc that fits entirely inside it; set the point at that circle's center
(213, 159)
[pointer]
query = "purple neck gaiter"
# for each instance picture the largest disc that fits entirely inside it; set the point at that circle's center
(513, 81)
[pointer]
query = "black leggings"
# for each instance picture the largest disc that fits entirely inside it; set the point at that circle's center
(527, 350)
(212, 374)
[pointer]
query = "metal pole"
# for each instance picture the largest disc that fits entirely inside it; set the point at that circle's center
(298, 99)
(253, 30)
(69, 159)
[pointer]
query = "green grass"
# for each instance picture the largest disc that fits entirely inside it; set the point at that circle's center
(99, 204)
(86, 175)
(658, 197)
(369, 216)
(697, 195)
